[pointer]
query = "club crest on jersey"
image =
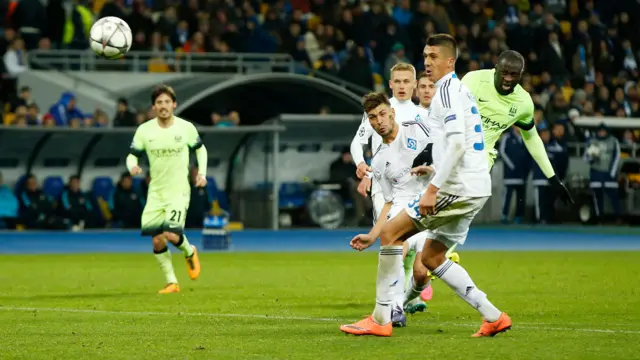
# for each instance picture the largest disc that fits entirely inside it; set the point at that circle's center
(513, 110)
(412, 144)
(418, 118)
(178, 138)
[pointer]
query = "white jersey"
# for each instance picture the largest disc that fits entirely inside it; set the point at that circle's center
(454, 111)
(404, 111)
(391, 164)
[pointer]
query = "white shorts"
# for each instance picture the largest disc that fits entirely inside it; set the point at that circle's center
(453, 217)
(378, 204)
(416, 242)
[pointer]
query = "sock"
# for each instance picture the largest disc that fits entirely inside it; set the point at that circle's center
(184, 246)
(451, 249)
(164, 260)
(457, 278)
(389, 282)
(414, 291)
(408, 267)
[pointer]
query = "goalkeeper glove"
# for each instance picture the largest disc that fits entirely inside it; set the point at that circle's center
(561, 190)
(425, 157)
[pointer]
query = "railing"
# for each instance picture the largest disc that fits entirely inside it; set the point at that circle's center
(354, 88)
(143, 61)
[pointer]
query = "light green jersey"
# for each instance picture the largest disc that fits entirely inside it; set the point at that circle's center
(498, 112)
(168, 152)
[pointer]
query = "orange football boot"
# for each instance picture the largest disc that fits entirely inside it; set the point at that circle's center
(494, 328)
(193, 264)
(169, 288)
(367, 327)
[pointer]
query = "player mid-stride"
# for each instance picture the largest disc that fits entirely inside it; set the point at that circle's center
(458, 191)
(167, 140)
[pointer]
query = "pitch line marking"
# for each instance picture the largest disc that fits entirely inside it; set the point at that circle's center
(527, 326)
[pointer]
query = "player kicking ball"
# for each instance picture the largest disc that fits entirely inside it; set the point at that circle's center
(391, 165)
(457, 192)
(167, 140)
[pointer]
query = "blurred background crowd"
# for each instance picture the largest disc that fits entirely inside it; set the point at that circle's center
(582, 55)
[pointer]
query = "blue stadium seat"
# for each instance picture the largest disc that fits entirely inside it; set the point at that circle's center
(102, 187)
(292, 195)
(19, 186)
(53, 186)
(217, 194)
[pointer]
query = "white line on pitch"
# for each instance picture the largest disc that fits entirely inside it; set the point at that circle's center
(527, 326)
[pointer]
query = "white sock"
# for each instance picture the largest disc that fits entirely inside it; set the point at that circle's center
(459, 280)
(389, 284)
(164, 260)
(414, 291)
(184, 246)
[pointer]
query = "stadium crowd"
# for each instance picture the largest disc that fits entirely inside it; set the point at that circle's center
(582, 56)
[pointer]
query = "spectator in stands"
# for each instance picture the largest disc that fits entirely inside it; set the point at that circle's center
(38, 211)
(8, 206)
(76, 206)
(65, 110)
(141, 117)
(232, 119)
(516, 167)
(543, 196)
(15, 59)
(30, 18)
(126, 204)
(100, 119)
(33, 115)
(397, 56)
(342, 171)
(561, 157)
(603, 155)
(200, 202)
(124, 117)
(23, 98)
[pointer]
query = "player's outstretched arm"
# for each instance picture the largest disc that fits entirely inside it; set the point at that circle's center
(538, 152)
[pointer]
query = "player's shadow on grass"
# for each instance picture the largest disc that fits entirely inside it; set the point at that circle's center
(75, 296)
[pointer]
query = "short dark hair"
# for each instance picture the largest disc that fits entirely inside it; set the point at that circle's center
(511, 56)
(374, 99)
(444, 40)
(422, 74)
(163, 89)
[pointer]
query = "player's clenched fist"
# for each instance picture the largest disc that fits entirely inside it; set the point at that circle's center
(427, 203)
(136, 170)
(362, 170)
(364, 186)
(201, 181)
(361, 241)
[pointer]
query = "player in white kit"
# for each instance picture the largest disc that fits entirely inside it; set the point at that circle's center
(402, 84)
(457, 192)
(391, 163)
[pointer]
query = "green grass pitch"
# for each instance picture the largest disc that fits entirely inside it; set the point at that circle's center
(565, 305)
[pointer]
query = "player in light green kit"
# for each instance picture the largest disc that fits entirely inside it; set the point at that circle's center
(502, 103)
(167, 140)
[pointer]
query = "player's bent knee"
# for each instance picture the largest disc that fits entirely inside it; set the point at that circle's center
(174, 237)
(159, 242)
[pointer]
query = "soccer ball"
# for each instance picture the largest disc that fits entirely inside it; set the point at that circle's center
(111, 37)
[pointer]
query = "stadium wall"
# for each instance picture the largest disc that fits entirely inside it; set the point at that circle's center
(512, 238)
